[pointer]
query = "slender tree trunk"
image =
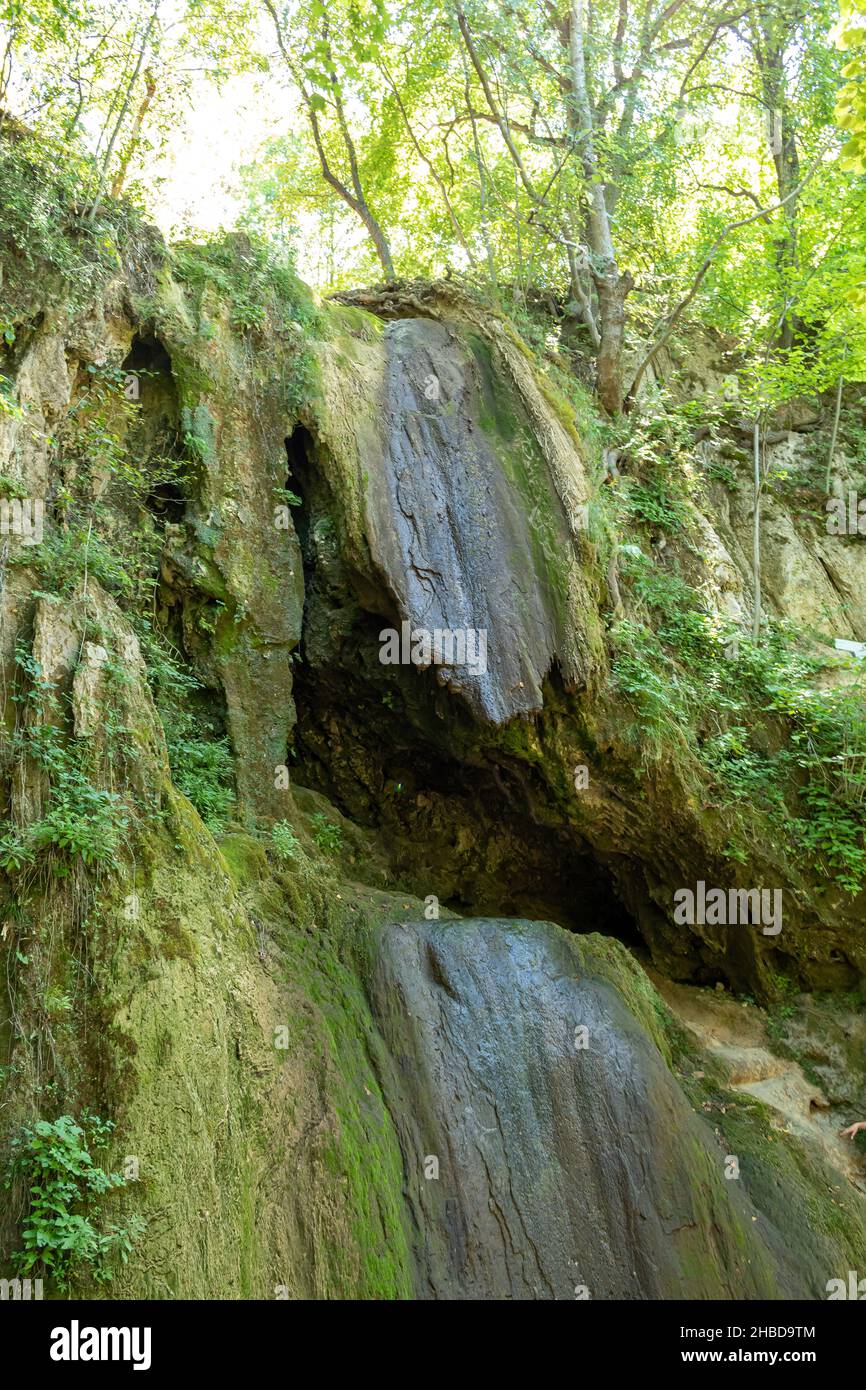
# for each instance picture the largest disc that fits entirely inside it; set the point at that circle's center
(135, 135)
(835, 435)
(482, 188)
(6, 67)
(377, 235)
(611, 287)
(668, 324)
(768, 43)
(353, 197)
(379, 240)
(756, 533)
(127, 97)
(580, 296)
(612, 290)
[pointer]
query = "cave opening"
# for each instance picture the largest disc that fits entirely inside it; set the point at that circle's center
(460, 819)
(477, 832)
(299, 447)
(156, 440)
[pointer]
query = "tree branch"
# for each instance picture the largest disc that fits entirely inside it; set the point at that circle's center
(677, 313)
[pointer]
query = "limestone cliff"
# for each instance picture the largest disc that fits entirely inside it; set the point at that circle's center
(237, 843)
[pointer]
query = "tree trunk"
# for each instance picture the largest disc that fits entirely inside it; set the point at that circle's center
(103, 177)
(768, 44)
(353, 197)
(756, 534)
(612, 290)
(611, 287)
(379, 240)
(132, 143)
(835, 435)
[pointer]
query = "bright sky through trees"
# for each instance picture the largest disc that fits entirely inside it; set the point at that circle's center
(632, 160)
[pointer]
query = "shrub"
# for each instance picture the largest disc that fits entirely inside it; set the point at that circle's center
(690, 675)
(84, 821)
(326, 834)
(201, 763)
(81, 820)
(60, 1231)
(285, 842)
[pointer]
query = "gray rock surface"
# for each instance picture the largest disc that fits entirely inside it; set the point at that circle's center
(559, 1167)
(461, 544)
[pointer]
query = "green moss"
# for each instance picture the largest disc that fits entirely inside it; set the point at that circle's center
(526, 468)
(612, 961)
(786, 1181)
(726, 1222)
(200, 431)
(561, 409)
(177, 944)
(194, 383)
(516, 339)
(348, 321)
(245, 858)
(362, 1156)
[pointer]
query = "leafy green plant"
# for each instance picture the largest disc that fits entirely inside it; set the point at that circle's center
(84, 821)
(285, 842)
(56, 1001)
(60, 1231)
(660, 476)
(15, 852)
(81, 820)
(196, 447)
(67, 553)
(100, 436)
(8, 486)
(693, 679)
(41, 184)
(639, 673)
(199, 754)
(326, 834)
(201, 761)
(285, 495)
(255, 280)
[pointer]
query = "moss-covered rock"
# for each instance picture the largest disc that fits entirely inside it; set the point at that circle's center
(548, 1146)
(243, 997)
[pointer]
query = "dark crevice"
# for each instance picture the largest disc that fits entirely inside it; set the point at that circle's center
(299, 447)
(157, 439)
(474, 833)
(148, 356)
(400, 755)
(167, 502)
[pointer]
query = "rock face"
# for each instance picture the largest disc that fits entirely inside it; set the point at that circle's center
(445, 489)
(569, 1161)
(283, 1044)
(471, 539)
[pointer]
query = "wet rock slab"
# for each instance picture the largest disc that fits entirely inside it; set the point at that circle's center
(563, 1170)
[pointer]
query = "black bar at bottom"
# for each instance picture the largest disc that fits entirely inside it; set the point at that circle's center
(87, 1340)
